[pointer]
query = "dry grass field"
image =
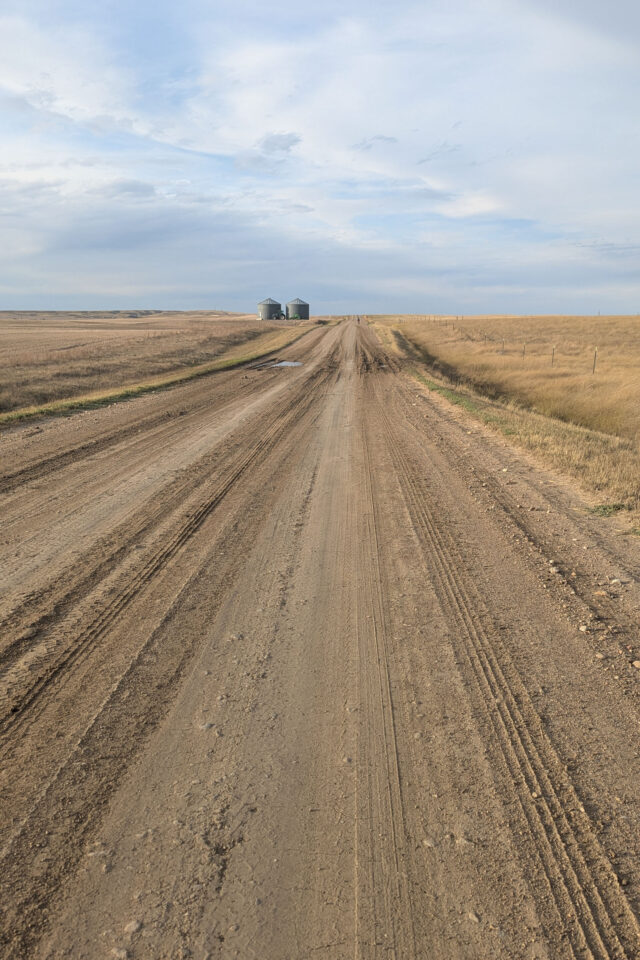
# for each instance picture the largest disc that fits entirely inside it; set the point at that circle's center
(50, 357)
(538, 371)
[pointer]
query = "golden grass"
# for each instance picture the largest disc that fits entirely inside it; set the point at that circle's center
(586, 425)
(54, 356)
(264, 343)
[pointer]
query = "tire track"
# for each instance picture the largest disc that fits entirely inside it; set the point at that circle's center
(80, 647)
(383, 906)
(593, 911)
(33, 613)
(31, 618)
(49, 465)
(56, 462)
(44, 850)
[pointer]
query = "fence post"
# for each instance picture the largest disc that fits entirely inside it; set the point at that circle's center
(524, 348)
(595, 359)
(553, 353)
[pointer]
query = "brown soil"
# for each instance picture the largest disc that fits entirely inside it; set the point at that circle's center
(291, 666)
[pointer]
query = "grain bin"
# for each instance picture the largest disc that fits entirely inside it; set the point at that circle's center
(269, 309)
(297, 310)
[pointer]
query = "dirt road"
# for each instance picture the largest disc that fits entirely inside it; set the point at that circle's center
(296, 662)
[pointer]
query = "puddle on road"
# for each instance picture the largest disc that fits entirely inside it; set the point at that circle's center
(287, 363)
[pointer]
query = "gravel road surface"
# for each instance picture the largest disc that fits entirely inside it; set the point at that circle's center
(300, 662)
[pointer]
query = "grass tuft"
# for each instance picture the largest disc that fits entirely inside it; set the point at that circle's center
(607, 509)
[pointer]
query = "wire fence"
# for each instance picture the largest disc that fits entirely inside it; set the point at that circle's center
(522, 348)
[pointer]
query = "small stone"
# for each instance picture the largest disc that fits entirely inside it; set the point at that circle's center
(120, 953)
(534, 795)
(132, 927)
(417, 735)
(599, 656)
(347, 760)
(463, 842)
(206, 726)
(636, 664)
(473, 916)
(583, 628)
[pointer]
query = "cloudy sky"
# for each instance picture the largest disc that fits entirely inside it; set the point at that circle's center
(448, 155)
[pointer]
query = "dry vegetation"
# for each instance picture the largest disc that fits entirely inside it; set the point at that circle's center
(586, 424)
(53, 358)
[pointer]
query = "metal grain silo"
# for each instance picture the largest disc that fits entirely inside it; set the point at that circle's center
(269, 309)
(297, 310)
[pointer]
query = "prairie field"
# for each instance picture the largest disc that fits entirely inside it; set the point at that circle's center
(52, 356)
(539, 373)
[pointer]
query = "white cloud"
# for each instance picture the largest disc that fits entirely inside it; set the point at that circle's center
(471, 205)
(414, 142)
(279, 142)
(66, 72)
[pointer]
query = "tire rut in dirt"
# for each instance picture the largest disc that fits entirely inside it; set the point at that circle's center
(85, 781)
(605, 609)
(36, 612)
(217, 379)
(592, 909)
(384, 909)
(23, 701)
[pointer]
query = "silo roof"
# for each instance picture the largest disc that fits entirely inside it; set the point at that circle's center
(298, 300)
(269, 300)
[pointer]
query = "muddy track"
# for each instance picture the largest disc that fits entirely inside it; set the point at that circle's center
(289, 676)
